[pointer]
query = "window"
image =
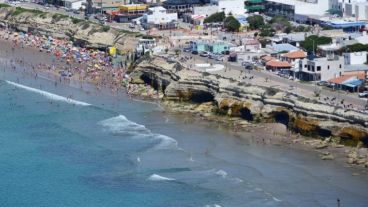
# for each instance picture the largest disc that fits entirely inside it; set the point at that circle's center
(313, 68)
(318, 68)
(340, 65)
(328, 67)
(305, 66)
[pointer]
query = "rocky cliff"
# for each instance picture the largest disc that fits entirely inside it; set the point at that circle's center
(82, 32)
(254, 103)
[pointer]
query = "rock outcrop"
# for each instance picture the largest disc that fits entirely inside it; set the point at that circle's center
(254, 103)
(81, 32)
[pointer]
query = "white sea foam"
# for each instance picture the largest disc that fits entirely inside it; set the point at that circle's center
(276, 199)
(48, 95)
(120, 124)
(166, 142)
(155, 177)
(221, 173)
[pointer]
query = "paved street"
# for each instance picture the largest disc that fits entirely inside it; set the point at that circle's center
(259, 77)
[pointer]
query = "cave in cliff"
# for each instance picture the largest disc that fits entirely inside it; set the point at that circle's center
(246, 114)
(281, 117)
(201, 97)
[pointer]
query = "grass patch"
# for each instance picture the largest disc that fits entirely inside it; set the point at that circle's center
(76, 20)
(4, 5)
(20, 10)
(58, 17)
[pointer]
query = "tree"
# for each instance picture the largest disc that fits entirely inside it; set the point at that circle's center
(310, 43)
(267, 31)
(356, 47)
(281, 23)
(231, 24)
(255, 22)
(216, 17)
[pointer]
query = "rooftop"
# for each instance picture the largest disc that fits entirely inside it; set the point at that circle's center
(278, 64)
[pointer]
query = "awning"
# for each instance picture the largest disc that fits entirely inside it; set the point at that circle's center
(353, 83)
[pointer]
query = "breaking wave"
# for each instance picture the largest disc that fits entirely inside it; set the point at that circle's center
(121, 125)
(156, 177)
(48, 95)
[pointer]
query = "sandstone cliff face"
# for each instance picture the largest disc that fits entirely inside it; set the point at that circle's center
(83, 32)
(255, 103)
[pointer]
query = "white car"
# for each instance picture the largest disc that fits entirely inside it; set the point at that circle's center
(363, 94)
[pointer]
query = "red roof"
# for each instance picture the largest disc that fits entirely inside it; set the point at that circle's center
(295, 54)
(347, 76)
(278, 64)
(267, 58)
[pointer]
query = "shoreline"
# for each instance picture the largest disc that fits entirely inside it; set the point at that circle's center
(280, 135)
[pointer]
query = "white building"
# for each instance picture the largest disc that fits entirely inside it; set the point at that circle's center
(355, 58)
(206, 10)
(355, 8)
(75, 4)
(235, 7)
(321, 69)
(300, 10)
(158, 17)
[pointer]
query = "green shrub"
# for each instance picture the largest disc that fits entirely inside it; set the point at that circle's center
(105, 28)
(4, 5)
(58, 17)
(85, 25)
(76, 20)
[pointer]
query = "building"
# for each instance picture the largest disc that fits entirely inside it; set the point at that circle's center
(128, 12)
(252, 45)
(355, 58)
(75, 4)
(235, 7)
(255, 5)
(217, 47)
(183, 6)
(355, 8)
(300, 10)
(157, 17)
(320, 69)
(107, 5)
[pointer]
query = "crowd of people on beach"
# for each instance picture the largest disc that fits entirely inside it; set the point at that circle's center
(66, 62)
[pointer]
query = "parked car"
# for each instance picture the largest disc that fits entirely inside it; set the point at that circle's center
(186, 49)
(323, 83)
(76, 12)
(363, 94)
(195, 52)
(203, 54)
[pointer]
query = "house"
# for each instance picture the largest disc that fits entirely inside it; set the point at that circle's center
(75, 4)
(128, 12)
(284, 47)
(217, 47)
(107, 5)
(355, 58)
(252, 45)
(157, 17)
(349, 81)
(277, 65)
(320, 69)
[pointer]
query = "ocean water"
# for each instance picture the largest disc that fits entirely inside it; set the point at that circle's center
(63, 146)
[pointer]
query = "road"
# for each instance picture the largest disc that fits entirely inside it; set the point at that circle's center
(306, 89)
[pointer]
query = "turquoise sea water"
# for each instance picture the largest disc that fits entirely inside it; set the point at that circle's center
(103, 150)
